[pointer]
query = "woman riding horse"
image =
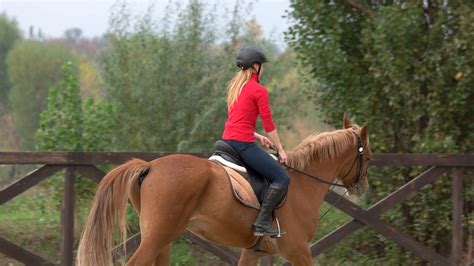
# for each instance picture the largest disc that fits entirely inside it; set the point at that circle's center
(183, 192)
(246, 100)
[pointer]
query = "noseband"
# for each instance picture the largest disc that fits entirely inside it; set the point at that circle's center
(358, 160)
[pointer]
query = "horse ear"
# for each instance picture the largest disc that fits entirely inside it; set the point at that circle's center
(364, 135)
(346, 122)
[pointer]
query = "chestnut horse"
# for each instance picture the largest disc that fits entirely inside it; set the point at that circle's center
(185, 192)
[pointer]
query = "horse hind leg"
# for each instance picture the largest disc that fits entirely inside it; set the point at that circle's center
(166, 203)
(163, 257)
(145, 254)
(158, 230)
(162, 220)
(160, 224)
(151, 252)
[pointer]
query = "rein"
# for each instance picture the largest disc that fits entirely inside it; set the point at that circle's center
(332, 205)
(314, 177)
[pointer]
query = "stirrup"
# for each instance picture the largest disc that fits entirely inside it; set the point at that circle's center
(277, 234)
(280, 231)
(260, 231)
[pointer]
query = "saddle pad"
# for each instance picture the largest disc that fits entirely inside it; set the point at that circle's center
(241, 189)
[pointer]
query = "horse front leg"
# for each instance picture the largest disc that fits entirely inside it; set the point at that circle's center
(249, 257)
(300, 257)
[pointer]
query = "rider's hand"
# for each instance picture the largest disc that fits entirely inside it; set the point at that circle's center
(264, 141)
(282, 158)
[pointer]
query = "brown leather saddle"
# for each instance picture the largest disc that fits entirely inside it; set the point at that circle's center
(248, 186)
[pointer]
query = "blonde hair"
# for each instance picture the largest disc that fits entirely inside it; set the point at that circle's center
(236, 84)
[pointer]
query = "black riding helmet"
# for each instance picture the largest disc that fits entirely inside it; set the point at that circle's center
(247, 56)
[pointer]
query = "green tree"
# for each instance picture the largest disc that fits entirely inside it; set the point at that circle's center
(68, 124)
(157, 80)
(61, 121)
(9, 34)
(405, 68)
(32, 69)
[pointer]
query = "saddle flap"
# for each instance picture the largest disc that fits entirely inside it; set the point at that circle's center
(243, 190)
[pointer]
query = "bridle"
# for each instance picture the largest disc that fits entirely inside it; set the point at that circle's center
(358, 159)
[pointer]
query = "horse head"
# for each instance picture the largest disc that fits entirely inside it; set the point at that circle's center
(354, 173)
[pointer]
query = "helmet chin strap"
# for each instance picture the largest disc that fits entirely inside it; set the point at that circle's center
(258, 72)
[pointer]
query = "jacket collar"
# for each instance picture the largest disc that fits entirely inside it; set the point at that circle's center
(254, 77)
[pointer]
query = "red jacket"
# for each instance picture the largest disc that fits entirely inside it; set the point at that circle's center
(242, 119)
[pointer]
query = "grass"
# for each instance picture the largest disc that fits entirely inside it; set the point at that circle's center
(26, 224)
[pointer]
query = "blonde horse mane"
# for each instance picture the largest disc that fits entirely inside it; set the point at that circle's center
(321, 147)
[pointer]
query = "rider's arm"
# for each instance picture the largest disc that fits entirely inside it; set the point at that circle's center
(276, 141)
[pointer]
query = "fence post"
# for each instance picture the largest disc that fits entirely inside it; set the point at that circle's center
(67, 218)
(457, 198)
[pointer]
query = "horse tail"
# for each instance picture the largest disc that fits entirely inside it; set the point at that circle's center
(108, 212)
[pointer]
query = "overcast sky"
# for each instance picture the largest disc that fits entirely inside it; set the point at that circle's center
(53, 17)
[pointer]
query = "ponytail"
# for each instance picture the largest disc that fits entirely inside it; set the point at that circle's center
(236, 84)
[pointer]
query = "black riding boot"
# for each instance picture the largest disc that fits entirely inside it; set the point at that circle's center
(263, 224)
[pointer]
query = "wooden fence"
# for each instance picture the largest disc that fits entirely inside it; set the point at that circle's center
(85, 163)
